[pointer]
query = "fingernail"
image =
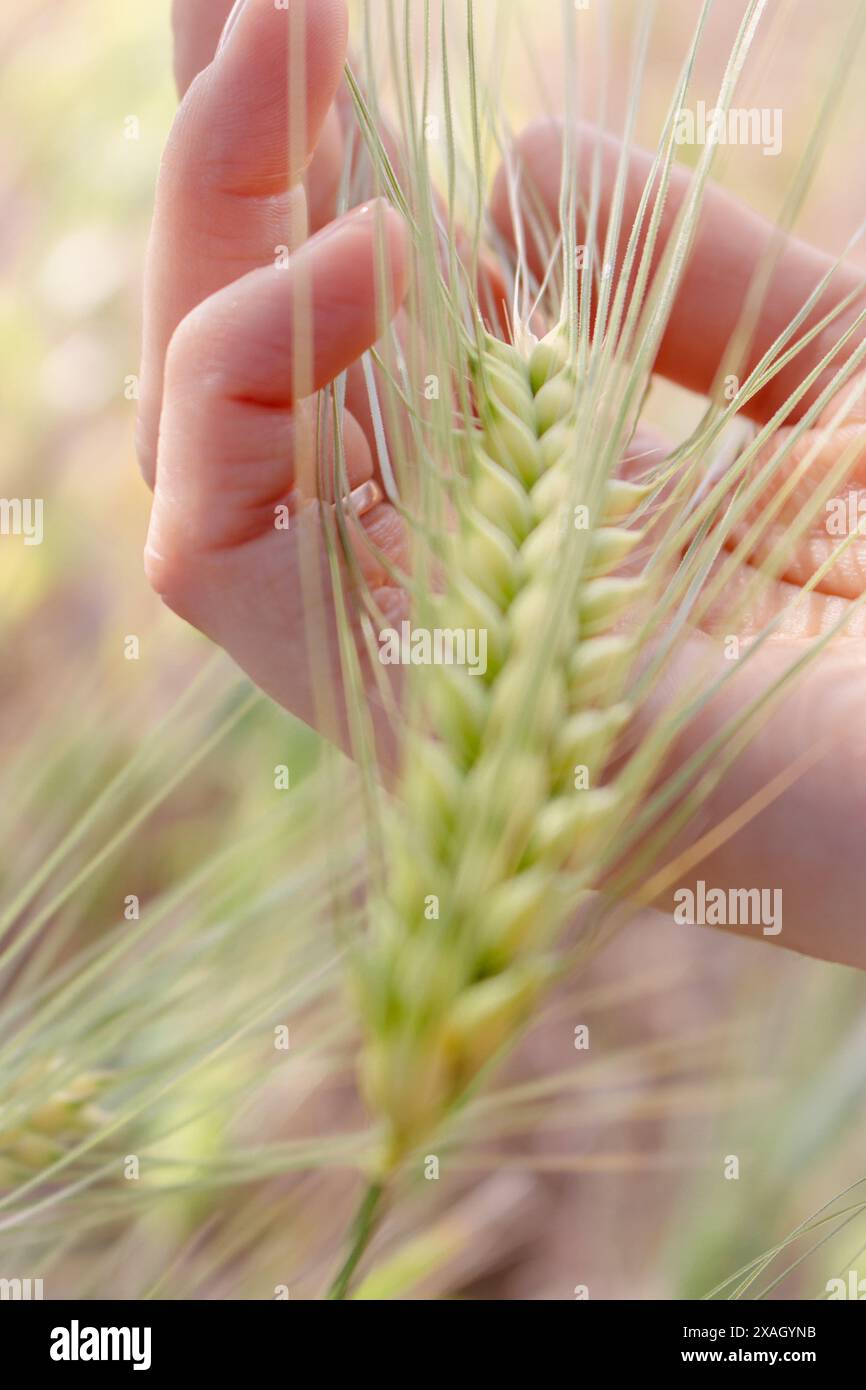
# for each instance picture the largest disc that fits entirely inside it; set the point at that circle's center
(230, 24)
(348, 219)
(365, 497)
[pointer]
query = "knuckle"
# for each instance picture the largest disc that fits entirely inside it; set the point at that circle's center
(199, 354)
(185, 347)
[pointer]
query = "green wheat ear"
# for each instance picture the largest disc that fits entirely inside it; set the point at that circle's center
(492, 823)
(51, 1126)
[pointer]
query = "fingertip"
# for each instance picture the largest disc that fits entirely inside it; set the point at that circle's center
(389, 236)
(358, 245)
(396, 234)
(270, 48)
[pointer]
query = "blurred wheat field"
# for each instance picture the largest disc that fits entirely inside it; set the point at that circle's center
(172, 924)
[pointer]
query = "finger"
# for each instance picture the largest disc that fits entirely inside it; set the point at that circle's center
(804, 841)
(197, 26)
(229, 426)
(731, 242)
(229, 193)
(232, 443)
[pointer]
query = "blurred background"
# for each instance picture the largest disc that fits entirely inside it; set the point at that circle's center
(137, 765)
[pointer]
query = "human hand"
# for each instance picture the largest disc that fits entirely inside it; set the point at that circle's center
(224, 436)
(807, 839)
(218, 396)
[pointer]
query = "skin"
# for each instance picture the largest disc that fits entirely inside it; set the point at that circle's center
(225, 425)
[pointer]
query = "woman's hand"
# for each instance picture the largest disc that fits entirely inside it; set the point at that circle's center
(224, 438)
(225, 428)
(808, 840)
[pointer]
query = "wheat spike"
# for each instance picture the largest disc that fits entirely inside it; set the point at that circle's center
(491, 815)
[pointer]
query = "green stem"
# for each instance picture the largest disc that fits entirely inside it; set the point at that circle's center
(362, 1231)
